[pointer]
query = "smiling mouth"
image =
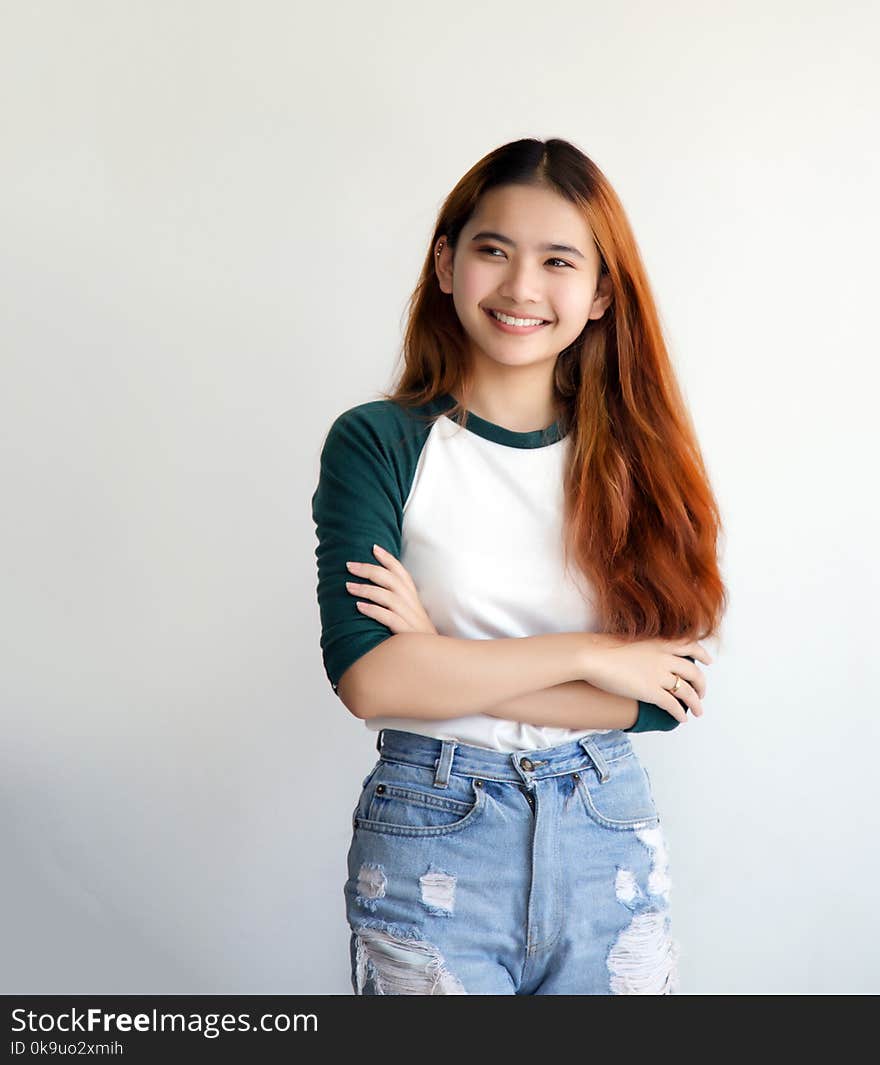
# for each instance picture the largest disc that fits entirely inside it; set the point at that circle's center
(533, 319)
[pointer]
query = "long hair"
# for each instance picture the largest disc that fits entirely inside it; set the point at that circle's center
(640, 517)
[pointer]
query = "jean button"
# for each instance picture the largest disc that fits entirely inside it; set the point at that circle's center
(526, 764)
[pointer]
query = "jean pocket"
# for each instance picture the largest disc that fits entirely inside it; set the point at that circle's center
(401, 800)
(363, 792)
(624, 800)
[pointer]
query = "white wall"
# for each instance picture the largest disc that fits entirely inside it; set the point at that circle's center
(212, 216)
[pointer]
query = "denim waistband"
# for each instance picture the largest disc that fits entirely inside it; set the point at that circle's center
(525, 767)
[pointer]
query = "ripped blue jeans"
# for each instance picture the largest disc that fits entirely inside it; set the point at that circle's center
(479, 872)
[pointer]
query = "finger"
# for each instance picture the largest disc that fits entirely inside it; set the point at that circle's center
(689, 696)
(700, 652)
(390, 600)
(382, 596)
(394, 564)
(697, 650)
(690, 672)
(672, 706)
(387, 617)
(367, 571)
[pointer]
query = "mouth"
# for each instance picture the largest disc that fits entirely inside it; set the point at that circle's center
(510, 325)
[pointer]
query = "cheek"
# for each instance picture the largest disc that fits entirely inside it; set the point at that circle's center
(572, 309)
(573, 301)
(471, 285)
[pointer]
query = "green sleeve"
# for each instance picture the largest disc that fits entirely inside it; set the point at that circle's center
(653, 718)
(357, 503)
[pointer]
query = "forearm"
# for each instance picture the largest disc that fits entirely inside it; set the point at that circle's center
(421, 675)
(575, 705)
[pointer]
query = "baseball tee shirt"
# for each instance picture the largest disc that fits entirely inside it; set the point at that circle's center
(474, 513)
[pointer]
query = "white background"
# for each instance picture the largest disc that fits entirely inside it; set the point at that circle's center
(212, 216)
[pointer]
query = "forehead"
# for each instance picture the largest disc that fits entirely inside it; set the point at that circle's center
(531, 215)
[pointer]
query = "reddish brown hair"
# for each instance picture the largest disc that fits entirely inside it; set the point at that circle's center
(641, 519)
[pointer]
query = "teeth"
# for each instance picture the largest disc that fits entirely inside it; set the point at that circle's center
(515, 321)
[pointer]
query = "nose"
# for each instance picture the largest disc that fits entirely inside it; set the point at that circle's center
(520, 284)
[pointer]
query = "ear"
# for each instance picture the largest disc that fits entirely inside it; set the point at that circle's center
(602, 299)
(443, 264)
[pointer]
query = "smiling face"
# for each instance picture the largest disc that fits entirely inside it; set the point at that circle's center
(504, 262)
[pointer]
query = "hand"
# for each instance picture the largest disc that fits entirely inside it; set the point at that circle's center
(646, 670)
(396, 599)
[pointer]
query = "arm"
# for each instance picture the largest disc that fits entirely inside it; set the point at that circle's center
(576, 704)
(458, 677)
(440, 677)
(420, 675)
(359, 501)
(366, 469)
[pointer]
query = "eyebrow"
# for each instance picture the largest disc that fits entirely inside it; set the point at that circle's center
(488, 235)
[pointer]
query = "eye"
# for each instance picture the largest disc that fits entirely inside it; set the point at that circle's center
(491, 249)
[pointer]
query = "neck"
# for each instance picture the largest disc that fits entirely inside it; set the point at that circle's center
(522, 400)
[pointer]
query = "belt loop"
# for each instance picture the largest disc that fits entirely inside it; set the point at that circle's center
(590, 746)
(443, 764)
(379, 740)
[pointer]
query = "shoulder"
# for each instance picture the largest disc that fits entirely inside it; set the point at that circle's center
(380, 426)
(377, 416)
(370, 455)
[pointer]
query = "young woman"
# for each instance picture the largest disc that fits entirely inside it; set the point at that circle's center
(516, 561)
